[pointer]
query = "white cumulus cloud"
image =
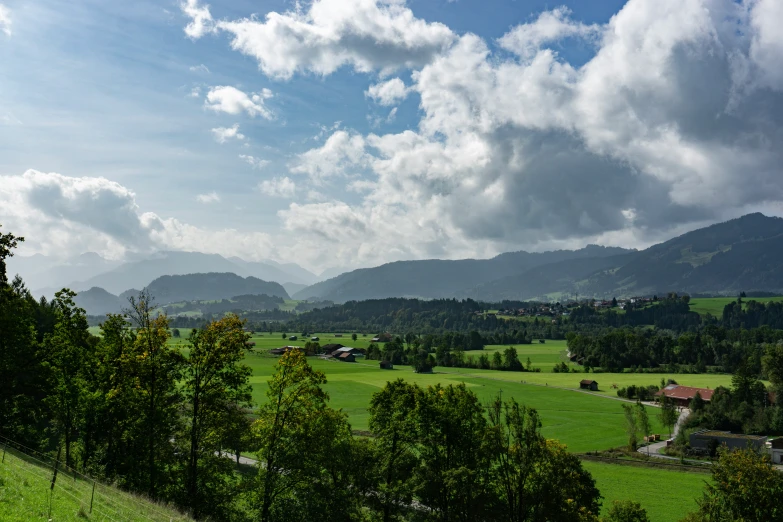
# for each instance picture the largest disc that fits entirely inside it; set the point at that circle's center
(201, 21)
(5, 20)
(278, 187)
(365, 34)
(389, 92)
(254, 162)
(233, 101)
(341, 153)
(550, 26)
(210, 197)
(223, 134)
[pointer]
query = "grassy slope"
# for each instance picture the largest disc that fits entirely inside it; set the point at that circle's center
(666, 495)
(24, 496)
(714, 305)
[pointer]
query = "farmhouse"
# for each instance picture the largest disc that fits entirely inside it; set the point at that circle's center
(588, 384)
(283, 349)
(387, 365)
(683, 395)
(314, 339)
(702, 439)
(346, 357)
(356, 352)
(382, 338)
(775, 450)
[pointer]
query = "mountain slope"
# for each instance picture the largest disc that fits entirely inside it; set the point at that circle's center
(97, 301)
(139, 274)
(47, 274)
(437, 278)
(741, 254)
(210, 286)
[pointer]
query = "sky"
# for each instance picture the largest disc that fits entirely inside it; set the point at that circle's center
(349, 133)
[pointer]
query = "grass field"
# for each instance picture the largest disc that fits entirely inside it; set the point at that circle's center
(24, 496)
(715, 305)
(666, 495)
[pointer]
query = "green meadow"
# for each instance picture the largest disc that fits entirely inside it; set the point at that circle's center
(666, 495)
(715, 305)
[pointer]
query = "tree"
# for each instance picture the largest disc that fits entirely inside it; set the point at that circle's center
(354, 336)
(697, 403)
(745, 486)
(157, 368)
(631, 425)
(453, 478)
(394, 425)
(536, 479)
(67, 355)
(643, 421)
(216, 390)
(285, 335)
(286, 423)
(23, 383)
(175, 333)
(626, 511)
(668, 413)
(511, 360)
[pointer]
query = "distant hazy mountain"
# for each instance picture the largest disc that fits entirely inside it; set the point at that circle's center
(335, 271)
(97, 301)
(209, 286)
(293, 288)
(297, 274)
(439, 278)
(46, 274)
(272, 271)
(139, 274)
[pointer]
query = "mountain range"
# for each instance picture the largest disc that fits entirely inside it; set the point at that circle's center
(45, 275)
(177, 288)
(742, 254)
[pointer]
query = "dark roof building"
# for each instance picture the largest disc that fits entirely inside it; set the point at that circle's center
(588, 384)
(387, 365)
(703, 438)
(346, 357)
(683, 395)
(283, 349)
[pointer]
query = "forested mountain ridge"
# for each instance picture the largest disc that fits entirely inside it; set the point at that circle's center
(437, 278)
(741, 254)
(210, 286)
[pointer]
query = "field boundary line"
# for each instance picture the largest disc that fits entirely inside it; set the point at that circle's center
(645, 464)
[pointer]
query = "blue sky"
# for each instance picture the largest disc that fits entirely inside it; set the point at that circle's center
(522, 125)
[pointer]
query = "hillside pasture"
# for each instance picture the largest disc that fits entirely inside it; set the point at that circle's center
(582, 421)
(666, 495)
(715, 305)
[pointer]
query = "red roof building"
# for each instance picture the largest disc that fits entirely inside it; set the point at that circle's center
(683, 395)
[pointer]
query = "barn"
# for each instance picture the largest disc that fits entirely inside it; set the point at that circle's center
(588, 384)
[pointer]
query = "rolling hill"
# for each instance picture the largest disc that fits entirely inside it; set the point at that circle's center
(437, 278)
(210, 286)
(741, 254)
(97, 301)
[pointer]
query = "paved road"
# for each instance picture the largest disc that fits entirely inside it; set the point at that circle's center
(653, 449)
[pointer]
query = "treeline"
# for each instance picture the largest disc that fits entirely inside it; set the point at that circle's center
(672, 312)
(237, 305)
(753, 314)
(712, 348)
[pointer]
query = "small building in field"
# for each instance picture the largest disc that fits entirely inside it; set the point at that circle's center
(356, 352)
(346, 357)
(338, 335)
(292, 338)
(250, 344)
(283, 349)
(683, 395)
(314, 338)
(703, 439)
(542, 341)
(588, 384)
(387, 365)
(382, 338)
